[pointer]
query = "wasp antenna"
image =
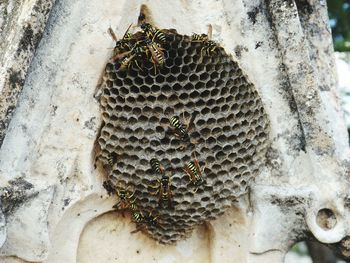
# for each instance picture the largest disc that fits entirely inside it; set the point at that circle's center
(194, 155)
(210, 31)
(191, 121)
(112, 34)
(127, 30)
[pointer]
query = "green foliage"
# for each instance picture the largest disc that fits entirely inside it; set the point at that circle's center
(339, 16)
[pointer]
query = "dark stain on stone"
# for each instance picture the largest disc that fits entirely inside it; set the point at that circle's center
(16, 193)
(239, 49)
(27, 39)
(304, 7)
(324, 87)
(145, 15)
(10, 110)
(109, 187)
(258, 44)
(66, 201)
(289, 97)
(288, 203)
(15, 79)
(302, 138)
(253, 14)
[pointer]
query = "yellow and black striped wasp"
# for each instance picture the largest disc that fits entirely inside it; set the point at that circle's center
(153, 41)
(193, 170)
(112, 159)
(126, 200)
(142, 221)
(151, 220)
(181, 130)
(209, 46)
(137, 216)
(157, 57)
(153, 33)
(132, 56)
(156, 166)
(162, 186)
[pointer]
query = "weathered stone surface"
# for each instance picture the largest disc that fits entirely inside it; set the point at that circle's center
(22, 24)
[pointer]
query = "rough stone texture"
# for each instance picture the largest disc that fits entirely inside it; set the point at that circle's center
(22, 24)
(230, 130)
(50, 138)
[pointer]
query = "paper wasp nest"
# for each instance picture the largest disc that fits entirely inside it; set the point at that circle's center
(229, 133)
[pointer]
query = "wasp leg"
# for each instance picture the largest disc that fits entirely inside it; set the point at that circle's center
(170, 200)
(127, 30)
(155, 68)
(131, 195)
(154, 193)
(137, 65)
(116, 206)
(136, 230)
(195, 190)
(154, 187)
(201, 57)
(120, 208)
(112, 34)
(120, 56)
(123, 212)
(190, 122)
(187, 173)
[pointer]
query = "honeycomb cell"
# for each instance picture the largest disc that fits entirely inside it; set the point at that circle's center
(187, 60)
(224, 119)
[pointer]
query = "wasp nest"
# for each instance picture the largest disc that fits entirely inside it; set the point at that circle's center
(228, 136)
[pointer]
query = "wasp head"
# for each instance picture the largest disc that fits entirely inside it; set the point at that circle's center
(164, 180)
(146, 26)
(122, 194)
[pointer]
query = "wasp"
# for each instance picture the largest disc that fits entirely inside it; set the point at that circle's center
(137, 216)
(153, 33)
(181, 130)
(126, 200)
(163, 191)
(151, 220)
(199, 38)
(156, 166)
(112, 159)
(209, 46)
(122, 44)
(193, 170)
(127, 58)
(143, 221)
(157, 54)
(162, 186)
